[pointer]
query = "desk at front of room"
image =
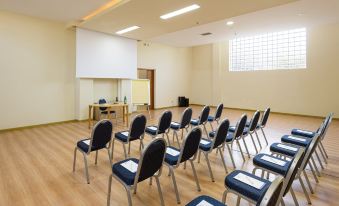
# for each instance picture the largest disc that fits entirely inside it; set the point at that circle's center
(110, 107)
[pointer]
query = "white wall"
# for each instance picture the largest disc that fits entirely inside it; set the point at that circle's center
(310, 91)
(105, 88)
(172, 71)
(37, 71)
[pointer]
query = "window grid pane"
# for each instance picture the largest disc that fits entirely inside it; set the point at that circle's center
(271, 51)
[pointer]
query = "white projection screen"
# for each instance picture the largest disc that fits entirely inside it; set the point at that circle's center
(100, 55)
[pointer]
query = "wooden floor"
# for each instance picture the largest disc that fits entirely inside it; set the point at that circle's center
(36, 167)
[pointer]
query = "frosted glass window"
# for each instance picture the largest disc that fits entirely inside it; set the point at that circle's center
(271, 51)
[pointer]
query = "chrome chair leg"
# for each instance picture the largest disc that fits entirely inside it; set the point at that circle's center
(319, 160)
(255, 146)
(129, 196)
(169, 143)
(248, 153)
(109, 190)
(305, 191)
(231, 155)
(199, 154)
(211, 126)
(206, 131)
(177, 137)
(75, 158)
(282, 202)
(322, 146)
(322, 154)
(123, 145)
(129, 148)
(308, 182)
(175, 185)
(209, 166)
(315, 166)
(109, 157)
(223, 160)
(256, 134)
(160, 192)
(86, 167)
(294, 197)
(96, 157)
(313, 172)
(242, 154)
(112, 149)
(262, 130)
(238, 200)
(195, 175)
(224, 196)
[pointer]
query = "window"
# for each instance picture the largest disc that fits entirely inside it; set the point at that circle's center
(271, 51)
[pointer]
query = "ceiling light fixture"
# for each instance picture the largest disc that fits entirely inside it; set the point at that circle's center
(127, 29)
(230, 23)
(180, 11)
(101, 9)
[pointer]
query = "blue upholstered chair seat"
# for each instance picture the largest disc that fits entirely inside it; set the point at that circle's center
(303, 133)
(205, 147)
(232, 129)
(172, 160)
(245, 189)
(175, 125)
(84, 147)
(120, 136)
(106, 112)
(210, 118)
(306, 141)
(228, 138)
(195, 122)
(124, 174)
(202, 198)
(271, 166)
(151, 131)
(274, 148)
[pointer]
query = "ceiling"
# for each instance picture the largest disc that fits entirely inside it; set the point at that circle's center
(57, 10)
(303, 13)
(146, 14)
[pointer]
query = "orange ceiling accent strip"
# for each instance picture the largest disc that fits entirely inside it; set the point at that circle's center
(101, 9)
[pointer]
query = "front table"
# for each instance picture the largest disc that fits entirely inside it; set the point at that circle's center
(109, 106)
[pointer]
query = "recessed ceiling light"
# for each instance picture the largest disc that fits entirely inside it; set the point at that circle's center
(230, 23)
(127, 30)
(180, 11)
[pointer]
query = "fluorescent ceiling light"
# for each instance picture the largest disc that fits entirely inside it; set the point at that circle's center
(230, 23)
(180, 11)
(127, 30)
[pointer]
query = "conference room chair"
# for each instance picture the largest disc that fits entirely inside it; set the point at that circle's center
(234, 136)
(280, 167)
(104, 111)
(203, 200)
(100, 139)
(216, 116)
(255, 190)
(207, 146)
(250, 129)
(163, 126)
(131, 171)
(263, 123)
(285, 151)
(188, 152)
(202, 119)
(182, 125)
(310, 134)
(136, 132)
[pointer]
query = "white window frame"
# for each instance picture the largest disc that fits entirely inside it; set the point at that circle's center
(270, 51)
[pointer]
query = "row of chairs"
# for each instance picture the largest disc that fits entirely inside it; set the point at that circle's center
(287, 161)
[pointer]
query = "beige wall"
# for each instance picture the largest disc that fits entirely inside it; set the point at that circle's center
(105, 88)
(37, 71)
(311, 91)
(172, 71)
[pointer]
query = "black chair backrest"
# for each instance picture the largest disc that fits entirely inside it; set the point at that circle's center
(190, 144)
(218, 112)
(152, 159)
(265, 117)
(102, 101)
(186, 117)
(165, 121)
(293, 170)
(204, 115)
(273, 193)
(254, 121)
(221, 133)
(241, 124)
(326, 125)
(102, 133)
(137, 128)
